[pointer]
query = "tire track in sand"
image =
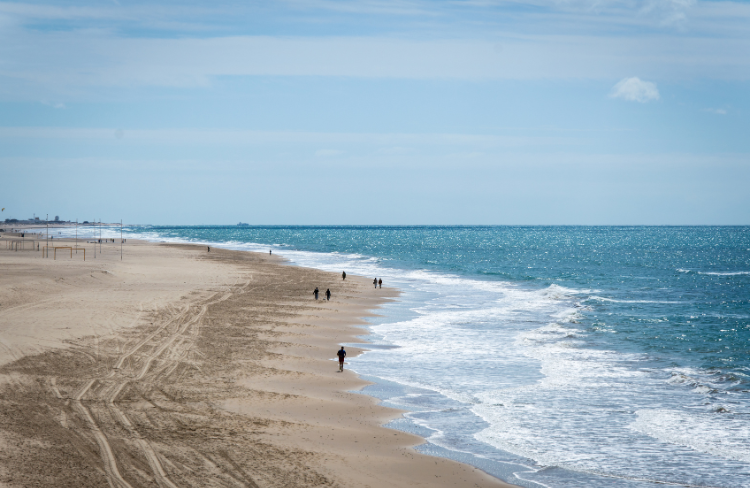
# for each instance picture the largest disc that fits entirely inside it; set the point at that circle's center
(109, 459)
(105, 450)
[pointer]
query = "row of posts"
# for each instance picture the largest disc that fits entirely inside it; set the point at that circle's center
(14, 244)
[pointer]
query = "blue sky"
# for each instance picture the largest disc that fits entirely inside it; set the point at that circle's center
(377, 112)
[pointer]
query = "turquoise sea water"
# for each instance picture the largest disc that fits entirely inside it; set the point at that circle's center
(551, 356)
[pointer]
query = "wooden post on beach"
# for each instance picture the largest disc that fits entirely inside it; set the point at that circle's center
(71, 252)
(77, 237)
(47, 235)
(120, 239)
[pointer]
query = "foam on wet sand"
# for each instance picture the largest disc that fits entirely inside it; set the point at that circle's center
(178, 367)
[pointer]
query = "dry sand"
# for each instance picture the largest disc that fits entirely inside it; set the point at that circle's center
(177, 367)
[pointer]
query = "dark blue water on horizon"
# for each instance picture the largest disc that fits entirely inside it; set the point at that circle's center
(551, 356)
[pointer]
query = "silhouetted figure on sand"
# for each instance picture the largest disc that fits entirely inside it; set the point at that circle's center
(316, 292)
(343, 275)
(380, 283)
(375, 282)
(209, 248)
(341, 354)
(328, 294)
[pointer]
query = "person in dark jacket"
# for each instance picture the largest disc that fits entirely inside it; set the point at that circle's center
(341, 354)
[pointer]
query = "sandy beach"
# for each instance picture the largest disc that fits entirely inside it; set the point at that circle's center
(177, 367)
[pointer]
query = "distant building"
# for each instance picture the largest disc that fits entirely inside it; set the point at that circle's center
(57, 218)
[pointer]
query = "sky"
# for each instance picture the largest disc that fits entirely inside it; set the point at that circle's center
(381, 112)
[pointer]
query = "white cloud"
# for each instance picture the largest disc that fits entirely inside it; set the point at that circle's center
(635, 90)
(52, 104)
(570, 41)
(328, 152)
(396, 151)
(65, 63)
(383, 7)
(717, 111)
(670, 11)
(250, 137)
(41, 11)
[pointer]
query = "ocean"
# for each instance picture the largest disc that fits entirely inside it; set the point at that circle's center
(550, 356)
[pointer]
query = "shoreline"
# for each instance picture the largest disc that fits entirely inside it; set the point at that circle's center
(301, 410)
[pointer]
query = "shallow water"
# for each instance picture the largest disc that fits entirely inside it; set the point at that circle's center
(551, 356)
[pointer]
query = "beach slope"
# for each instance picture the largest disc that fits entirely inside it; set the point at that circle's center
(180, 367)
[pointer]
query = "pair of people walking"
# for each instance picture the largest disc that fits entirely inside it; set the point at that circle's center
(377, 282)
(328, 293)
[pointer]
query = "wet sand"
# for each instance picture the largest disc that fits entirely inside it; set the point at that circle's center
(178, 367)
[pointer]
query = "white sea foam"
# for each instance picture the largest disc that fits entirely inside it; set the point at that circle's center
(573, 416)
(516, 358)
(713, 433)
(614, 300)
(724, 273)
(714, 273)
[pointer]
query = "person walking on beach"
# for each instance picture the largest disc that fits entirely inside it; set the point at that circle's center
(380, 282)
(328, 294)
(343, 276)
(342, 355)
(316, 292)
(375, 282)
(209, 248)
